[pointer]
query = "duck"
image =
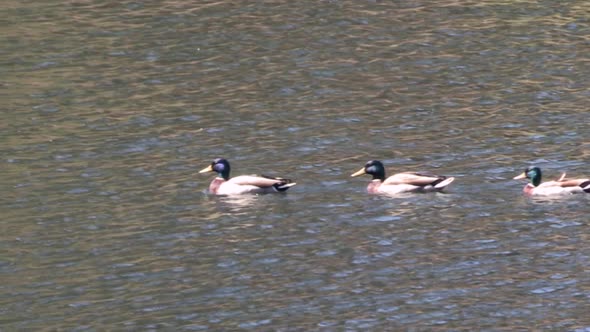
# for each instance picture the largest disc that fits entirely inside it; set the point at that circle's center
(243, 184)
(404, 182)
(560, 186)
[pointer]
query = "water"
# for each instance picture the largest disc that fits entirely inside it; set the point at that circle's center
(109, 111)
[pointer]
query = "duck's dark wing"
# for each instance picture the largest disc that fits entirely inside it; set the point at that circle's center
(414, 178)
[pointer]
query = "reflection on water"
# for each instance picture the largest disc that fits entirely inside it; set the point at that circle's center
(111, 109)
(242, 204)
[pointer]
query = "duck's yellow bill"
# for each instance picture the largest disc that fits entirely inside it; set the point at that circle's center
(521, 176)
(207, 169)
(360, 172)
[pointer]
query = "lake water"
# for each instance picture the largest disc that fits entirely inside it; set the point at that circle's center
(110, 109)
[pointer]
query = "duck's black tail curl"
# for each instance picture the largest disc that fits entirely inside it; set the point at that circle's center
(282, 184)
(440, 179)
(586, 186)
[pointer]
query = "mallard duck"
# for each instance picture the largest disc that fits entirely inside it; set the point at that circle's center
(562, 185)
(401, 182)
(243, 184)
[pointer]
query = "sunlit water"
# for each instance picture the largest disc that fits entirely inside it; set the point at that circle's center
(109, 111)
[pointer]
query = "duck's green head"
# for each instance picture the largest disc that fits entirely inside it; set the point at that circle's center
(220, 166)
(532, 173)
(374, 168)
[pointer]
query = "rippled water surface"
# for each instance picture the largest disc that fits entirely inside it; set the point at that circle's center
(109, 109)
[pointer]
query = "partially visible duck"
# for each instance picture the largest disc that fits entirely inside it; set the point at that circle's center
(243, 184)
(560, 186)
(401, 182)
